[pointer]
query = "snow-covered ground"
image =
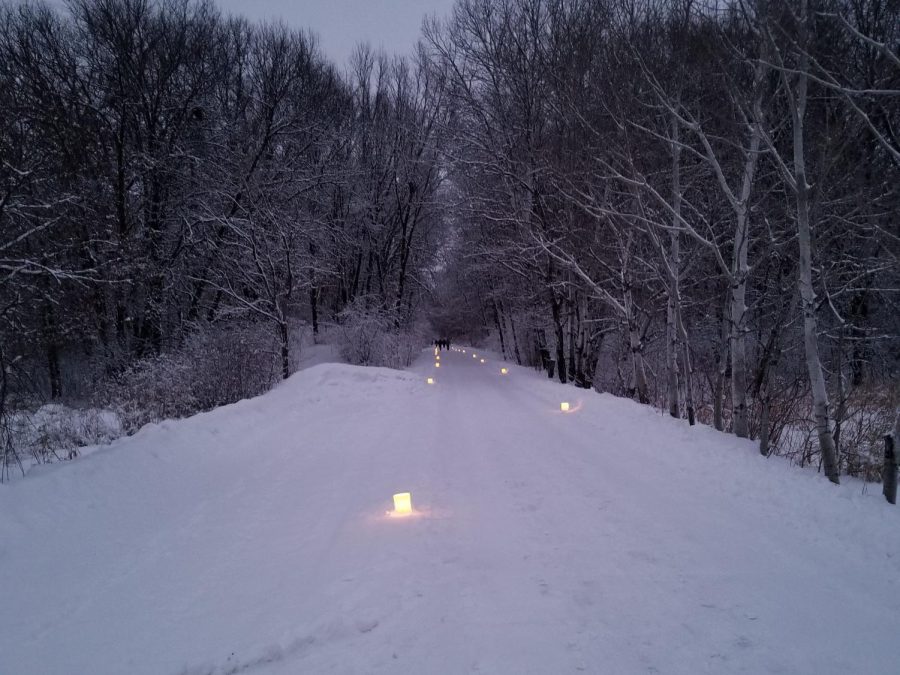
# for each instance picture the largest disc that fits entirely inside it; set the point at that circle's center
(254, 539)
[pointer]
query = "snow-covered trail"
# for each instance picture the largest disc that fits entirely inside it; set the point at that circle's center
(254, 539)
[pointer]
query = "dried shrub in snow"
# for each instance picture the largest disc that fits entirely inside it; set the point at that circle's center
(866, 418)
(213, 368)
(56, 431)
(369, 337)
(229, 366)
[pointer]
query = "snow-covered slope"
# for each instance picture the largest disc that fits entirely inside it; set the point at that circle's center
(254, 539)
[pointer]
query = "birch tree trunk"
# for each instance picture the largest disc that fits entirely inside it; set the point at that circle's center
(639, 376)
(674, 264)
(739, 274)
(807, 293)
(738, 270)
(721, 368)
(634, 343)
(512, 331)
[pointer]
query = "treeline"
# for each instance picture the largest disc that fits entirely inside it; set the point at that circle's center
(169, 175)
(691, 203)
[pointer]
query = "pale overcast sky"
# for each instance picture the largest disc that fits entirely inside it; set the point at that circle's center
(394, 25)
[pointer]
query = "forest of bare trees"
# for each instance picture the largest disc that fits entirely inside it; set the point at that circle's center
(691, 203)
(179, 189)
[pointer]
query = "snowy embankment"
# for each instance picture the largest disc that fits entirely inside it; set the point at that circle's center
(254, 539)
(55, 431)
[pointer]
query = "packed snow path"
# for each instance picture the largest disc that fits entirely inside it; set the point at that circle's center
(254, 539)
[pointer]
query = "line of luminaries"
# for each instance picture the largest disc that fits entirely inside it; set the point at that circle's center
(564, 406)
(403, 500)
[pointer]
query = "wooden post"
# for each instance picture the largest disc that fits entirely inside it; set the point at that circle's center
(764, 428)
(889, 477)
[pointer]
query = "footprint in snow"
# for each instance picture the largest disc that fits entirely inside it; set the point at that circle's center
(366, 626)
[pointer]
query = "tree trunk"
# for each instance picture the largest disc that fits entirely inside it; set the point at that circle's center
(53, 370)
(764, 425)
(674, 265)
(285, 350)
(841, 410)
(560, 338)
(739, 417)
(582, 378)
(672, 355)
(512, 330)
(889, 471)
(8, 453)
(314, 310)
(499, 323)
(807, 293)
(688, 369)
(811, 342)
(541, 351)
(572, 334)
(637, 349)
(721, 369)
